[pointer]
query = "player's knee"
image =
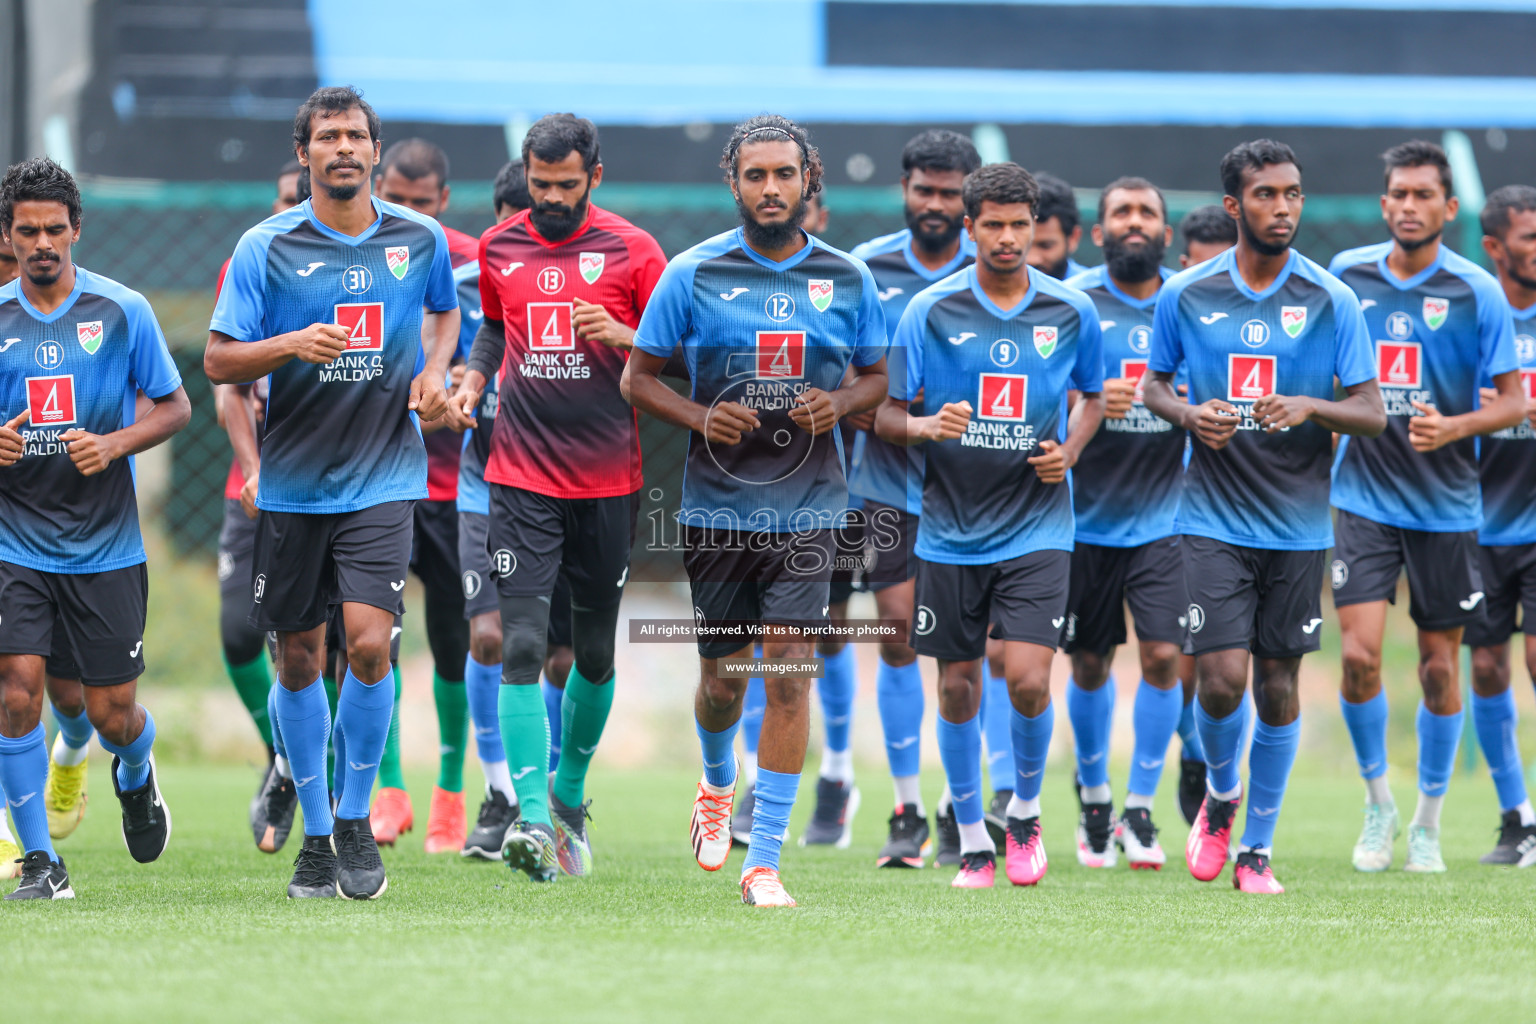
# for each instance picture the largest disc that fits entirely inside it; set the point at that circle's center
(66, 695)
(1362, 670)
(522, 656)
(897, 654)
(485, 639)
(593, 657)
(557, 666)
(827, 648)
(1089, 670)
(719, 694)
(114, 713)
(21, 703)
(786, 692)
(1160, 665)
(1030, 692)
(243, 646)
(1437, 675)
(1490, 671)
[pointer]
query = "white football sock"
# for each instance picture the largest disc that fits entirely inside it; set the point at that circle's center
(1527, 816)
(1018, 808)
(1096, 794)
(1378, 792)
(909, 791)
(499, 778)
(1427, 814)
(975, 838)
(837, 765)
(1231, 794)
(66, 756)
(283, 767)
(1137, 800)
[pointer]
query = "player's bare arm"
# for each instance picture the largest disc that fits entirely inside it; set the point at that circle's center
(1056, 458)
(1507, 406)
(642, 387)
(484, 357)
(227, 361)
(92, 453)
(239, 420)
(1213, 423)
(895, 423)
(593, 322)
(1360, 412)
(819, 411)
(429, 398)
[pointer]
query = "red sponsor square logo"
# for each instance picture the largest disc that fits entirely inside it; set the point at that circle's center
(51, 400)
(1249, 377)
(1136, 370)
(781, 354)
(1398, 363)
(1004, 396)
(364, 322)
(550, 328)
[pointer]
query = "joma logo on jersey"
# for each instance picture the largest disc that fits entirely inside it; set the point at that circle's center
(89, 334)
(1435, 312)
(1250, 377)
(1136, 370)
(364, 322)
(781, 354)
(591, 266)
(1003, 396)
(550, 328)
(1398, 363)
(51, 400)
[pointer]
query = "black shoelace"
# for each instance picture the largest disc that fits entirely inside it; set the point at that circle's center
(1023, 830)
(314, 867)
(351, 846)
(493, 810)
(977, 860)
(903, 825)
(1219, 814)
(1140, 823)
(34, 868)
(1097, 823)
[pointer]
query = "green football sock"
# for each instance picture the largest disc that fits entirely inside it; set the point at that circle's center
(253, 681)
(390, 776)
(583, 714)
(525, 735)
(452, 702)
(332, 694)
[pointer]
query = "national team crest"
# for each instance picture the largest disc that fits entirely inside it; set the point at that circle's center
(90, 335)
(821, 294)
(1293, 319)
(591, 266)
(1045, 341)
(398, 259)
(1435, 312)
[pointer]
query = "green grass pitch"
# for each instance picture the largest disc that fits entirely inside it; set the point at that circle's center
(205, 934)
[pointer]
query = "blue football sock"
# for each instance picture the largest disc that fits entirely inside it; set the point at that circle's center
(1093, 714)
(306, 726)
(133, 758)
(960, 752)
(76, 731)
(1222, 739)
(1269, 768)
(996, 712)
(482, 683)
(1495, 719)
(338, 761)
(899, 696)
(277, 733)
(1189, 733)
(1439, 736)
(1154, 716)
(23, 773)
(837, 689)
(753, 704)
(1031, 743)
(363, 712)
(554, 700)
(775, 793)
(1367, 723)
(719, 758)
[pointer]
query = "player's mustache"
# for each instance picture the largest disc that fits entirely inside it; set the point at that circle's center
(343, 164)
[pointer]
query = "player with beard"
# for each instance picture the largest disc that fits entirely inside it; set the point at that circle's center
(1508, 536)
(1262, 332)
(72, 564)
(1207, 232)
(770, 319)
(1126, 552)
(1059, 230)
(997, 524)
(889, 478)
(562, 287)
(335, 301)
(1410, 499)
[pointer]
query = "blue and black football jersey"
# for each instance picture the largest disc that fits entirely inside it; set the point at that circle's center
(77, 368)
(982, 500)
(758, 333)
(885, 472)
(1508, 458)
(1262, 490)
(1436, 336)
(340, 437)
(474, 493)
(1126, 484)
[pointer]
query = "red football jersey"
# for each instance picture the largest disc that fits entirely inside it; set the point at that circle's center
(562, 428)
(443, 446)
